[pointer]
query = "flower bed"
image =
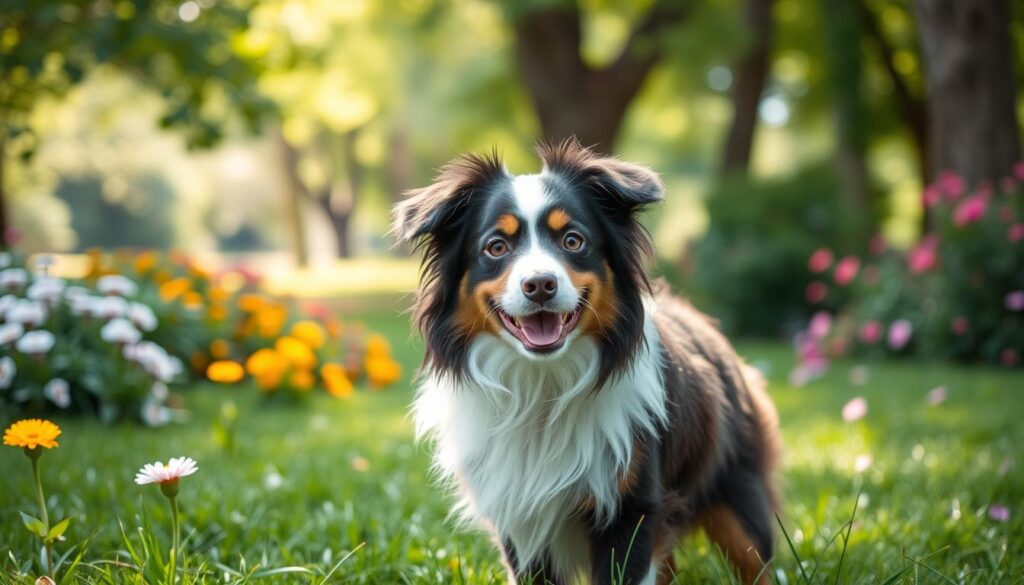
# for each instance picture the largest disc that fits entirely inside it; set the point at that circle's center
(958, 294)
(116, 342)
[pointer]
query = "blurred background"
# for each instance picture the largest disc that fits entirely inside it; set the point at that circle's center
(284, 130)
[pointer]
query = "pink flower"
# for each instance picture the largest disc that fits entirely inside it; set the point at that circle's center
(971, 210)
(1015, 300)
(846, 270)
(1009, 357)
(820, 260)
(952, 184)
(871, 332)
(960, 325)
(931, 195)
(924, 256)
(999, 513)
(855, 409)
(900, 331)
(820, 325)
(816, 292)
(936, 396)
(1018, 171)
(1015, 233)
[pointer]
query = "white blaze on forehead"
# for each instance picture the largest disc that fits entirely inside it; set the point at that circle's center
(531, 201)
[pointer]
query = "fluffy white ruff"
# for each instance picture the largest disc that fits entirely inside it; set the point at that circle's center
(527, 440)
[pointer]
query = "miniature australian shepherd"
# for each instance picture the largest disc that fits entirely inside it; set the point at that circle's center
(587, 418)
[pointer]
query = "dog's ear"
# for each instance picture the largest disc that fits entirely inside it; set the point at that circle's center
(620, 185)
(426, 210)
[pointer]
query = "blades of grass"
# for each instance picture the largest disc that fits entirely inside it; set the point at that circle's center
(892, 579)
(280, 571)
(342, 560)
(933, 570)
(792, 548)
(846, 539)
(828, 545)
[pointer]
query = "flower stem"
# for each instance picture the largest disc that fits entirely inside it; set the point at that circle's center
(42, 510)
(175, 542)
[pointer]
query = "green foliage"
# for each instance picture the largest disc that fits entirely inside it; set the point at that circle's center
(749, 270)
(182, 50)
(144, 215)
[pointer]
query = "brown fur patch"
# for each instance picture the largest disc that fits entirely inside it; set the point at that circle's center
(558, 219)
(508, 224)
(724, 529)
(474, 315)
(599, 312)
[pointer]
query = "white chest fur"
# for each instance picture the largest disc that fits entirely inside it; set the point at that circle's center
(527, 440)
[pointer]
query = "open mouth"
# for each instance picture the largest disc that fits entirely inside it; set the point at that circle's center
(543, 331)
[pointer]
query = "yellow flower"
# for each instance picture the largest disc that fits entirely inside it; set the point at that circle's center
(219, 348)
(250, 303)
(310, 332)
(226, 372)
(192, 300)
(377, 346)
(302, 379)
(145, 261)
(32, 433)
(270, 319)
(173, 289)
(264, 360)
(336, 381)
(382, 372)
(296, 352)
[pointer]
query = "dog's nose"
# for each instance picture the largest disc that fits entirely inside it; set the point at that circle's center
(540, 287)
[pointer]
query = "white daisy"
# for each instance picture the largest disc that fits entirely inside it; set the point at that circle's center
(142, 316)
(116, 284)
(161, 473)
(7, 372)
(13, 278)
(121, 331)
(35, 342)
(58, 391)
(10, 332)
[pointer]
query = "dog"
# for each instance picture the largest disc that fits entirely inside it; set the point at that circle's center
(585, 417)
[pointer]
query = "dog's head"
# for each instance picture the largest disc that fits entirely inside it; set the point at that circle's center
(536, 260)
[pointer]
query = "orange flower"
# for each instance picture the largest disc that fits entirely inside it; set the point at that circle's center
(192, 300)
(382, 372)
(220, 348)
(216, 312)
(270, 320)
(310, 332)
(250, 303)
(296, 352)
(218, 294)
(302, 379)
(173, 289)
(32, 433)
(145, 261)
(336, 381)
(377, 346)
(263, 361)
(225, 372)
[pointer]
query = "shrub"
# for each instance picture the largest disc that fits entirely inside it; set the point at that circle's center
(958, 294)
(749, 270)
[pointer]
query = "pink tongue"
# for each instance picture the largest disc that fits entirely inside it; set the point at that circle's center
(542, 328)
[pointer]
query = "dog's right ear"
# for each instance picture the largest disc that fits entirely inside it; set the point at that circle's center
(427, 210)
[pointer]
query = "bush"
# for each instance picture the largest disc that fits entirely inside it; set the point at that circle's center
(749, 270)
(958, 294)
(116, 342)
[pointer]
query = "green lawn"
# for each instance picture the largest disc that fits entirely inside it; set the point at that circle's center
(307, 485)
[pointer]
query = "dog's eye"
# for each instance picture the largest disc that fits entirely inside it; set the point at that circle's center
(496, 248)
(572, 241)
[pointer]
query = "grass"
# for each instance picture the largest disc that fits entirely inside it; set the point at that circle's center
(336, 492)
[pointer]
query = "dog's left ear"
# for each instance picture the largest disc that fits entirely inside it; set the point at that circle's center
(427, 210)
(621, 185)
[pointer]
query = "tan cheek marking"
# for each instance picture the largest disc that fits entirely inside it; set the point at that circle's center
(558, 219)
(474, 315)
(599, 314)
(508, 224)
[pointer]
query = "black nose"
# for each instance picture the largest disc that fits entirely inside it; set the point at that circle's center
(540, 287)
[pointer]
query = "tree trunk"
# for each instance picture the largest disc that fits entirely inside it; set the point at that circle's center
(294, 192)
(339, 203)
(970, 78)
(571, 98)
(751, 74)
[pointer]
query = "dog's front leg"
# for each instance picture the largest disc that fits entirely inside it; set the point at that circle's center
(538, 573)
(621, 554)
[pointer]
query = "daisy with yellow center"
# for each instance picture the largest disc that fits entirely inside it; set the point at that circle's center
(32, 433)
(166, 475)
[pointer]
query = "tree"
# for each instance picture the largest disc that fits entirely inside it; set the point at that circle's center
(751, 74)
(972, 124)
(181, 50)
(570, 97)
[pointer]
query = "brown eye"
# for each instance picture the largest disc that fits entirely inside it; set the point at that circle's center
(572, 241)
(496, 248)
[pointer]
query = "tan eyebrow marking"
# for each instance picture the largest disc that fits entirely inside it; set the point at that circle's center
(558, 219)
(508, 224)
